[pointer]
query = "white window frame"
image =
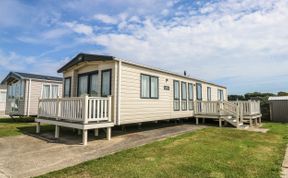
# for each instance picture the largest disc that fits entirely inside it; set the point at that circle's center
(209, 93)
(184, 100)
(220, 95)
(150, 87)
(50, 85)
(190, 97)
(176, 100)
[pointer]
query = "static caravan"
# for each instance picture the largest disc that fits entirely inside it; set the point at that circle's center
(103, 91)
(3, 91)
(24, 91)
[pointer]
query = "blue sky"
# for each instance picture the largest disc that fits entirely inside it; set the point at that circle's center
(242, 44)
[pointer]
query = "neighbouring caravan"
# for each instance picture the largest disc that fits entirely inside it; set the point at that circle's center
(104, 91)
(3, 92)
(24, 91)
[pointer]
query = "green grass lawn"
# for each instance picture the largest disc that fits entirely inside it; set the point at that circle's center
(18, 126)
(13, 127)
(211, 152)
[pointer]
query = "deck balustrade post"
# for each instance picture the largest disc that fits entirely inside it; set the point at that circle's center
(197, 121)
(237, 116)
(108, 133)
(39, 111)
(242, 112)
(85, 109)
(218, 108)
(259, 108)
(109, 108)
(38, 127)
(57, 108)
(84, 137)
(96, 132)
(250, 107)
(57, 130)
(220, 122)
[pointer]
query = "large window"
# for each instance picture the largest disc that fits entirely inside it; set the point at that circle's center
(50, 91)
(176, 89)
(220, 95)
(184, 96)
(16, 90)
(106, 82)
(199, 91)
(190, 96)
(82, 85)
(208, 93)
(149, 87)
(94, 85)
(67, 87)
(88, 83)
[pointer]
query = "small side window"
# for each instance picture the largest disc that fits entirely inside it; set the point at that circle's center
(184, 96)
(106, 82)
(176, 89)
(208, 93)
(190, 96)
(67, 87)
(220, 95)
(199, 91)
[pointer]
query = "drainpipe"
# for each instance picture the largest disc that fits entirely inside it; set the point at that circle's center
(29, 96)
(119, 91)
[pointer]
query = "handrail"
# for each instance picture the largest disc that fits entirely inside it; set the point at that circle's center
(250, 107)
(219, 108)
(81, 109)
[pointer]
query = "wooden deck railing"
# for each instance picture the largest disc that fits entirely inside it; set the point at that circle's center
(236, 109)
(206, 107)
(249, 107)
(79, 109)
(222, 107)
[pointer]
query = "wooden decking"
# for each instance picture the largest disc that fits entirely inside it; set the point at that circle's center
(237, 113)
(82, 113)
(86, 113)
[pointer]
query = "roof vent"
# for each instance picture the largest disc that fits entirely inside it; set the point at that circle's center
(185, 73)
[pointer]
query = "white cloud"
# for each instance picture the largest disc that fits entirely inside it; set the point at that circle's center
(238, 43)
(11, 61)
(55, 33)
(245, 41)
(79, 28)
(105, 18)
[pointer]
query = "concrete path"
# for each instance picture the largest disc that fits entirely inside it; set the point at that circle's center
(26, 156)
(285, 165)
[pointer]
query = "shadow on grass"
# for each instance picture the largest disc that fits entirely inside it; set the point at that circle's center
(27, 126)
(17, 120)
(71, 136)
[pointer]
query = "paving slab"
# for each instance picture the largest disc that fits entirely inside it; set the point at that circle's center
(29, 155)
(285, 165)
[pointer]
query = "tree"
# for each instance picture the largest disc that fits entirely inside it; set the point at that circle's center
(236, 97)
(282, 93)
